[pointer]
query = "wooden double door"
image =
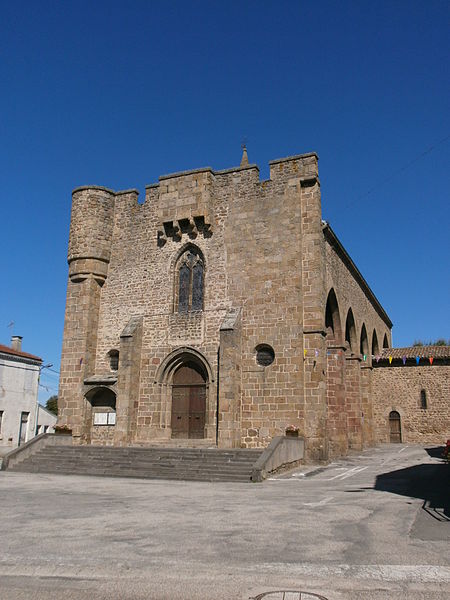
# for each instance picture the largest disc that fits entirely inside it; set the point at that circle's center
(188, 403)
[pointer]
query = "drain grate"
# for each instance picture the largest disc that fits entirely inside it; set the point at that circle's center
(288, 595)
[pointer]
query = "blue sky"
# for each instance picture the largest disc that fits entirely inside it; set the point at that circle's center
(118, 93)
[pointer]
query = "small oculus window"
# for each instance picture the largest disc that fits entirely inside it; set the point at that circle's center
(265, 355)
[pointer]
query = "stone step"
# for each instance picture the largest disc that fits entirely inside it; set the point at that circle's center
(194, 464)
(104, 450)
(147, 460)
(181, 455)
(200, 475)
(45, 467)
(42, 463)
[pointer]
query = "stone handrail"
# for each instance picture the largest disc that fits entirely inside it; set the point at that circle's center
(282, 452)
(32, 446)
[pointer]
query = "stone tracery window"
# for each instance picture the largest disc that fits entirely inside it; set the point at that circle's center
(190, 281)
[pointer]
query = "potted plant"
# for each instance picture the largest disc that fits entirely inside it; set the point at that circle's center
(62, 430)
(291, 431)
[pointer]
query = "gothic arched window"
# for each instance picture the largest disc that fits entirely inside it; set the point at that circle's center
(190, 281)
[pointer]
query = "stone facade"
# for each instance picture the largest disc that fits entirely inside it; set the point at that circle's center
(236, 279)
(419, 392)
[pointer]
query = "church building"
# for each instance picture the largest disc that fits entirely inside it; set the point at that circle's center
(220, 311)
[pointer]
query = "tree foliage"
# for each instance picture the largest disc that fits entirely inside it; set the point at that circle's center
(52, 405)
(439, 342)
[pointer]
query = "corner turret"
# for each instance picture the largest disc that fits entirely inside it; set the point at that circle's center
(91, 230)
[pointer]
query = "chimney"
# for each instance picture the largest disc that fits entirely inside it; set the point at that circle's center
(16, 342)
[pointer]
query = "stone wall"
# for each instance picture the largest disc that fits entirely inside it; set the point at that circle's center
(398, 388)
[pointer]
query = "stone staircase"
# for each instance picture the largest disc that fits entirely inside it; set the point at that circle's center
(185, 463)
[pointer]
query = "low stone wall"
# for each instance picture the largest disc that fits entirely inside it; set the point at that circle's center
(43, 440)
(282, 452)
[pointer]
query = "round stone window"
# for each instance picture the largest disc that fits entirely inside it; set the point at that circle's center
(265, 355)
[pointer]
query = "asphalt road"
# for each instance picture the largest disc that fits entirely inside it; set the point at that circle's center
(373, 526)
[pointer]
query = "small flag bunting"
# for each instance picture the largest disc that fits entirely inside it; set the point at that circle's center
(390, 359)
(431, 360)
(417, 359)
(404, 360)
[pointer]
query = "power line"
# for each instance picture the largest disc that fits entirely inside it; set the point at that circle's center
(394, 174)
(48, 388)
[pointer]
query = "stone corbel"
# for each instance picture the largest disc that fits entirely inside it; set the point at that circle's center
(208, 229)
(162, 238)
(176, 231)
(193, 228)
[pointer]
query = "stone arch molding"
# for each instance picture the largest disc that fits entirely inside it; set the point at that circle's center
(163, 380)
(94, 388)
(179, 253)
(176, 358)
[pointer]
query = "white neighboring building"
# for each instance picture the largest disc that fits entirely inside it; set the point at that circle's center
(46, 420)
(19, 381)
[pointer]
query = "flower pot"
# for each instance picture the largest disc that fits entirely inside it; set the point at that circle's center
(292, 433)
(63, 431)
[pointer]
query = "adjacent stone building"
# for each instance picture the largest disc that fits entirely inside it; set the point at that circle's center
(223, 309)
(411, 395)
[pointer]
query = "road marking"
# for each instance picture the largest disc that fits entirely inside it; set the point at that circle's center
(355, 472)
(320, 503)
(348, 473)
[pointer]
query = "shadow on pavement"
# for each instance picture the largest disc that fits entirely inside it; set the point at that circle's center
(435, 452)
(429, 482)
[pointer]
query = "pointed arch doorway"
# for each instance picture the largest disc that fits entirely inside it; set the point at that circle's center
(188, 402)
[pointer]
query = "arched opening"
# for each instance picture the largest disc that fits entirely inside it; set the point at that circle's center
(423, 400)
(189, 401)
(395, 430)
(350, 330)
(363, 342)
(385, 341)
(332, 318)
(113, 360)
(189, 280)
(375, 347)
(335, 378)
(103, 403)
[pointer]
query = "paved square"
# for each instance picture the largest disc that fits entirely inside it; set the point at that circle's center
(372, 526)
